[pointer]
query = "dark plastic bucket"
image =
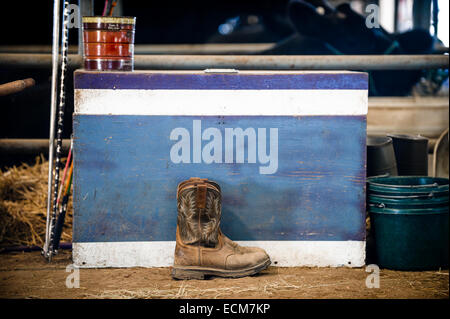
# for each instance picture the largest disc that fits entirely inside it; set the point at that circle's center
(380, 156)
(411, 153)
(410, 239)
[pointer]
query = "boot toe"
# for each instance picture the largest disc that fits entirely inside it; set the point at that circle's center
(246, 249)
(246, 260)
(257, 249)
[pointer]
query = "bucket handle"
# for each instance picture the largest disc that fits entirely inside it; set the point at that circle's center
(378, 205)
(379, 176)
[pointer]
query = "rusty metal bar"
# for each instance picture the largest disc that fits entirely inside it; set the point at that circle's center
(15, 86)
(254, 62)
(23, 146)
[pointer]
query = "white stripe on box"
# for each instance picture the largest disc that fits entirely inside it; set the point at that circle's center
(221, 102)
(161, 253)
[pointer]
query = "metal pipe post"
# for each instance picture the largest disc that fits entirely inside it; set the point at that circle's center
(55, 56)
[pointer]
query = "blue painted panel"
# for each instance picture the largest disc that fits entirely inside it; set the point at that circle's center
(206, 81)
(125, 182)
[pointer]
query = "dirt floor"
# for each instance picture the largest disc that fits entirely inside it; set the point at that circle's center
(28, 275)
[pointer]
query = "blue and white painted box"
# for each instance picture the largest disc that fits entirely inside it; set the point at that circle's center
(287, 148)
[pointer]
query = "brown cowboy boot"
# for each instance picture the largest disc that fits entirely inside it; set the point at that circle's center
(201, 248)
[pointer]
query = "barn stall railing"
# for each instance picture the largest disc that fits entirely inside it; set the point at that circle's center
(245, 62)
(260, 62)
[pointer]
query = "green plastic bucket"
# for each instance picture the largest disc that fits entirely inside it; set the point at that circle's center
(411, 239)
(408, 186)
(411, 202)
(438, 192)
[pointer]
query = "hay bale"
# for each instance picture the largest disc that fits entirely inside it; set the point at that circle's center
(23, 205)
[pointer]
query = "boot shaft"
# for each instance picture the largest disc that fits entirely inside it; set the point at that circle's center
(199, 211)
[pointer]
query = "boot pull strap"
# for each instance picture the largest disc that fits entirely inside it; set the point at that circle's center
(201, 195)
(195, 182)
(202, 180)
(191, 182)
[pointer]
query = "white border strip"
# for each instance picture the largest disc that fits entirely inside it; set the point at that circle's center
(221, 102)
(161, 253)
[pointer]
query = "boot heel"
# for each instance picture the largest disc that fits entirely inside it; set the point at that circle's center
(187, 274)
